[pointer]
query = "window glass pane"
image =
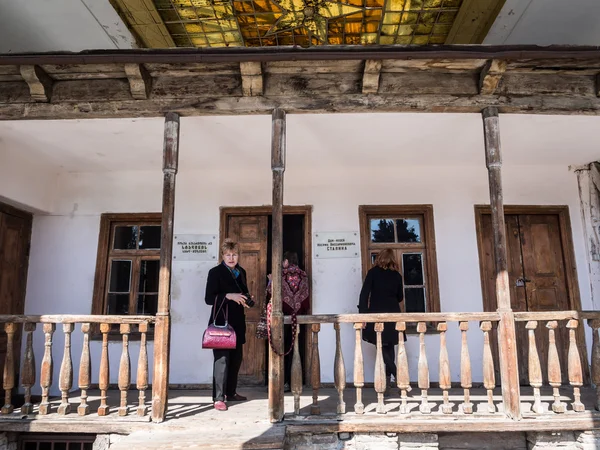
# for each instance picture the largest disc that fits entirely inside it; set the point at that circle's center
(373, 258)
(88, 446)
(147, 304)
(412, 264)
(45, 446)
(409, 230)
(126, 238)
(30, 446)
(382, 230)
(149, 276)
(118, 304)
(120, 275)
(414, 299)
(149, 237)
(60, 446)
(77, 446)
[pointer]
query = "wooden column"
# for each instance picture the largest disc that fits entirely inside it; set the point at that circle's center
(275, 361)
(162, 328)
(509, 372)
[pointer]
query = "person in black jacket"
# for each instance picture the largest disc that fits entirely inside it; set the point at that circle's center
(382, 292)
(227, 291)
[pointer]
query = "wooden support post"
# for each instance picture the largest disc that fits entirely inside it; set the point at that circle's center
(142, 370)
(574, 366)
(423, 369)
(162, 327)
(444, 377)
(402, 375)
(65, 380)
(507, 346)
(370, 84)
(104, 375)
(28, 372)
(9, 367)
(46, 369)
(315, 369)
(296, 375)
(85, 368)
(252, 78)
(359, 371)
(339, 370)
(275, 361)
(379, 376)
(39, 82)
(535, 368)
(490, 76)
(140, 81)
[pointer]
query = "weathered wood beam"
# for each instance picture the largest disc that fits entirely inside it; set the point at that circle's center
(162, 329)
(370, 81)
(598, 85)
(509, 369)
(39, 82)
(473, 21)
(491, 76)
(252, 78)
(140, 81)
(276, 409)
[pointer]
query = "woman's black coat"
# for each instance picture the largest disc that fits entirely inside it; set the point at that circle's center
(382, 292)
(220, 283)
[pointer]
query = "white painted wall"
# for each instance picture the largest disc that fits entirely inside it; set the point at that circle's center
(546, 22)
(335, 163)
(61, 25)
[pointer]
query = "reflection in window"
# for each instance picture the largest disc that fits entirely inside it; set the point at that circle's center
(409, 230)
(413, 269)
(414, 299)
(382, 230)
(126, 238)
(149, 238)
(120, 276)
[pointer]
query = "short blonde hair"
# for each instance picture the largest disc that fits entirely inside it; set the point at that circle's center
(386, 259)
(229, 245)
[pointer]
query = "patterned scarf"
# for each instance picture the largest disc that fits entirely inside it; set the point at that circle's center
(235, 271)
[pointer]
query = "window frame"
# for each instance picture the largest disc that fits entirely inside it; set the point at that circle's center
(108, 222)
(427, 244)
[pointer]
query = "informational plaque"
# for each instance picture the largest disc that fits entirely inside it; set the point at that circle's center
(195, 247)
(340, 244)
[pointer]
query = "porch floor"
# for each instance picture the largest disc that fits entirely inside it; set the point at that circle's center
(193, 423)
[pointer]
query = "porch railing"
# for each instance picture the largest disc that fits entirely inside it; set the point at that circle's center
(29, 377)
(487, 323)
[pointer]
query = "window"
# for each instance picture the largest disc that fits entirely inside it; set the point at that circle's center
(128, 264)
(409, 231)
(56, 442)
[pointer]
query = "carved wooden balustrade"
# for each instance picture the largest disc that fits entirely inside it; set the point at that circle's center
(464, 321)
(29, 369)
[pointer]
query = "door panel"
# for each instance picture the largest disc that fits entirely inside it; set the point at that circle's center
(15, 235)
(251, 234)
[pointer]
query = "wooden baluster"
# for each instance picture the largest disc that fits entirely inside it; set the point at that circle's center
(296, 376)
(104, 376)
(575, 372)
(124, 369)
(380, 382)
(489, 378)
(423, 369)
(315, 372)
(445, 379)
(65, 380)
(359, 371)
(535, 368)
(402, 376)
(554, 372)
(466, 380)
(339, 371)
(9, 367)
(28, 375)
(85, 369)
(594, 325)
(47, 367)
(142, 371)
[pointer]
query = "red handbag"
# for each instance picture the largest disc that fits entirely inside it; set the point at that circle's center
(219, 337)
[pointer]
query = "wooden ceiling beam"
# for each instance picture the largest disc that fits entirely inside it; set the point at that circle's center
(39, 82)
(370, 81)
(252, 78)
(491, 75)
(473, 21)
(140, 81)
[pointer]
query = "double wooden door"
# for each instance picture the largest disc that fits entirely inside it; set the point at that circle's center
(538, 279)
(251, 233)
(15, 235)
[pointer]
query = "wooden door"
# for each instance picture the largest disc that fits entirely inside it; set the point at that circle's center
(251, 233)
(537, 280)
(15, 235)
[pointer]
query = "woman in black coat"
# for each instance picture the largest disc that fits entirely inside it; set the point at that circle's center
(382, 292)
(227, 292)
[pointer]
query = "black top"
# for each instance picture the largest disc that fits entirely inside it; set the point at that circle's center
(382, 292)
(220, 283)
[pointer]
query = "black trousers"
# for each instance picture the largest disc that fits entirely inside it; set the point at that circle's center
(389, 360)
(225, 371)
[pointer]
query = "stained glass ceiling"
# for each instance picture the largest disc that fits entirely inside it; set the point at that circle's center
(255, 23)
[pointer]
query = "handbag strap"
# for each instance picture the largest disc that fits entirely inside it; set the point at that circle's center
(216, 312)
(294, 328)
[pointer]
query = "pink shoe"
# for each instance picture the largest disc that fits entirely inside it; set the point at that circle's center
(220, 406)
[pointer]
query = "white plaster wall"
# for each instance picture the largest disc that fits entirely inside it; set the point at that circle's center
(334, 169)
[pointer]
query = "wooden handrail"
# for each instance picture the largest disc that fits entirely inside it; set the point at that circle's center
(72, 318)
(397, 317)
(542, 316)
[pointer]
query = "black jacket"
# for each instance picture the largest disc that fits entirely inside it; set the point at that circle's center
(220, 283)
(382, 292)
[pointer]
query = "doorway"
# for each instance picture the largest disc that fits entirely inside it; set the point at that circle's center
(15, 239)
(542, 276)
(251, 228)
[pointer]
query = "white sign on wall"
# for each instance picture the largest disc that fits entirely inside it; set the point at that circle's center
(337, 244)
(195, 247)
